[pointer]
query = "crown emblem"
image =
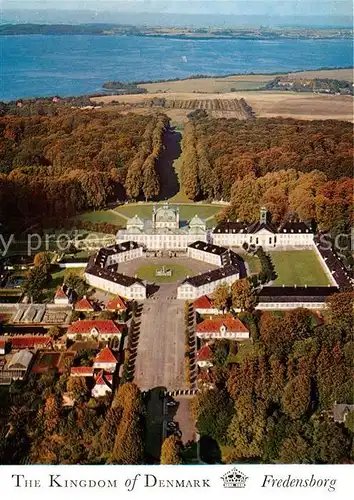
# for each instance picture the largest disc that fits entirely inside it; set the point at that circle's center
(234, 479)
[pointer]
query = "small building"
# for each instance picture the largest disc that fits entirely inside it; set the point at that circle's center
(105, 360)
(63, 296)
(30, 342)
(82, 371)
(103, 385)
(95, 329)
(224, 328)
(341, 411)
(19, 364)
(2, 347)
(204, 305)
(118, 304)
(205, 357)
(84, 305)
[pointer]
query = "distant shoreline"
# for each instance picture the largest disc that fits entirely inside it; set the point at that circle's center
(237, 33)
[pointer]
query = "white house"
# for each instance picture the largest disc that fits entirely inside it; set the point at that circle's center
(105, 360)
(63, 296)
(103, 385)
(95, 329)
(203, 305)
(263, 233)
(223, 328)
(205, 357)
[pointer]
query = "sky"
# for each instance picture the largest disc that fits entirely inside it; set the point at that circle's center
(243, 7)
(267, 12)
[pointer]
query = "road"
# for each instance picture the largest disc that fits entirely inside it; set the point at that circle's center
(160, 356)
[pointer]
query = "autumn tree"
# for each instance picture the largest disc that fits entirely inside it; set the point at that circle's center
(77, 387)
(296, 398)
(171, 451)
(243, 295)
(294, 450)
(221, 296)
(51, 413)
(35, 281)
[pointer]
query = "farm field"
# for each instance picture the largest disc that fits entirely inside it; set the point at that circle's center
(298, 267)
(239, 82)
(148, 272)
(303, 106)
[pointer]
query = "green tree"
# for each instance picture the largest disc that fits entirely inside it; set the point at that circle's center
(294, 450)
(35, 282)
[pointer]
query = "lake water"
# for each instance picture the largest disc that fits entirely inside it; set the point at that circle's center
(37, 65)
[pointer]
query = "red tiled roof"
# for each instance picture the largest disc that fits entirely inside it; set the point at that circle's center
(203, 303)
(28, 342)
(102, 378)
(2, 344)
(214, 325)
(82, 370)
(60, 293)
(105, 356)
(118, 303)
(205, 354)
(84, 305)
(85, 326)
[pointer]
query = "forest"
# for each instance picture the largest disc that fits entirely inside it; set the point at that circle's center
(79, 160)
(272, 399)
(289, 166)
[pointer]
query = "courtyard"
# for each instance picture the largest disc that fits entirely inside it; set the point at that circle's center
(298, 267)
(181, 267)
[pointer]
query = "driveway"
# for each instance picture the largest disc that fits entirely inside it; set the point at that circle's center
(160, 356)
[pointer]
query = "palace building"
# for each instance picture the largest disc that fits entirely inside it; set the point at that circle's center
(165, 230)
(263, 233)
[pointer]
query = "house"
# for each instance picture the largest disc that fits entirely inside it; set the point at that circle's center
(2, 347)
(105, 360)
(81, 371)
(205, 357)
(341, 411)
(263, 233)
(84, 305)
(20, 364)
(204, 305)
(95, 329)
(224, 328)
(103, 385)
(30, 342)
(63, 296)
(206, 283)
(118, 304)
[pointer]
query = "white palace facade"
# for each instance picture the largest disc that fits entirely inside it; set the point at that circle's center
(164, 231)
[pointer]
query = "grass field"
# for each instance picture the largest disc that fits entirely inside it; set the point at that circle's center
(252, 261)
(108, 216)
(186, 211)
(148, 272)
(298, 267)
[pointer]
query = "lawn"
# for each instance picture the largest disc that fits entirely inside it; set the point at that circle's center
(186, 211)
(147, 272)
(253, 262)
(298, 267)
(109, 216)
